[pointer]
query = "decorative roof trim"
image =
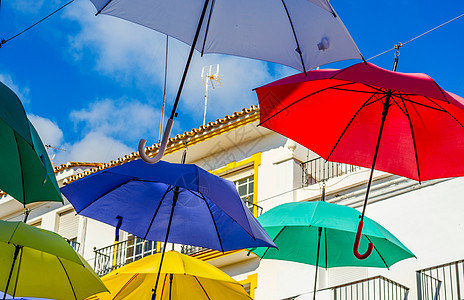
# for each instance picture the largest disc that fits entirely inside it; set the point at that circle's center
(195, 136)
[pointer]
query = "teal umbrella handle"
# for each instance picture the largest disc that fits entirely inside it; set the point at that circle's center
(356, 244)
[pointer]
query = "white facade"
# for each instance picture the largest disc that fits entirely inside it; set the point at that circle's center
(426, 217)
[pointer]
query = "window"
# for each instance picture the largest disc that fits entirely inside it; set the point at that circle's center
(36, 223)
(244, 174)
(68, 224)
(250, 284)
(245, 190)
(138, 248)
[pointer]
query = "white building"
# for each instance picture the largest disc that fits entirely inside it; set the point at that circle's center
(269, 170)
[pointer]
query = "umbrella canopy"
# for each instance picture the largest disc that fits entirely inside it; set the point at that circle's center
(303, 34)
(148, 200)
(295, 228)
(399, 123)
(322, 234)
(39, 263)
(27, 174)
(423, 132)
(182, 277)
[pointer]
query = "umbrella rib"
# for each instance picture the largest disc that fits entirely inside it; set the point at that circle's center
(380, 255)
(104, 6)
(351, 121)
(214, 222)
(202, 287)
(125, 285)
(275, 239)
(424, 105)
(105, 193)
(303, 98)
(298, 49)
(445, 111)
(69, 279)
(164, 284)
(413, 137)
(14, 232)
(157, 209)
(207, 27)
(357, 91)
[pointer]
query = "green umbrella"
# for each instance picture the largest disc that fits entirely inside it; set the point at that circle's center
(26, 173)
(39, 263)
(322, 234)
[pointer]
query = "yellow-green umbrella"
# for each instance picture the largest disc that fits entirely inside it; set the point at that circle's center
(39, 263)
(181, 277)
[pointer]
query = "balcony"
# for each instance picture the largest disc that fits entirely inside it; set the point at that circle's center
(442, 282)
(115, 256)
(374, 288)
(75, 245)
(318, 170)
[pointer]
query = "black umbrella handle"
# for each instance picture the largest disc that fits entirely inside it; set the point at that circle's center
(356, 244)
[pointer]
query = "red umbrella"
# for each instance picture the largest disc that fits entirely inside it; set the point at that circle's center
(364, 115)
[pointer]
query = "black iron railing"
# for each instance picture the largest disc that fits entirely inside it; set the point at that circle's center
(115, 256)
(75, 245)
(318, 170)
(255, 209)
(374, 288)
(444, 282)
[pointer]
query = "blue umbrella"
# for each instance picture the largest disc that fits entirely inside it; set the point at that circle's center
(183, 201)
(8, 297)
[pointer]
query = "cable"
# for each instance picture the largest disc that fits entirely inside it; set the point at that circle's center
(3, 41)
(421, 35)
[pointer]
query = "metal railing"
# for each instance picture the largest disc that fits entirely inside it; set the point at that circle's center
(444, 282)
(75, 245)
(318, 170)
(374, 288)
(115, 256)
(252, 207)
(190, 250)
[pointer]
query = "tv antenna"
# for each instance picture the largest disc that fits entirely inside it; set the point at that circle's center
(47, 146)
(209, 75)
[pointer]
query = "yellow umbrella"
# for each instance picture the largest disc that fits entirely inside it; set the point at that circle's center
(181, 277)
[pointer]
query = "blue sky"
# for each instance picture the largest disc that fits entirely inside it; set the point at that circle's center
(93, 85)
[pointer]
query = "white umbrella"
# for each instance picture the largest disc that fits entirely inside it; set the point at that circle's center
(302, 34)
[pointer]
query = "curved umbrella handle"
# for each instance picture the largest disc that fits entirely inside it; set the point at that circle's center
(356, 244)
(162, 148)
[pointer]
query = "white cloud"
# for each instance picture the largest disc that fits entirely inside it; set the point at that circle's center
(22, 93)
(133, 54)
(94, 147)
(126, 120)
(33, 7)
(49, 132)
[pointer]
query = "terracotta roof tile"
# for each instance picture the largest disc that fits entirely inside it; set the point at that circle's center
(178, 139)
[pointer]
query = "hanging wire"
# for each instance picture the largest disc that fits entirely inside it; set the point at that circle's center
(421, 35)
(164, 90)
(3, 41)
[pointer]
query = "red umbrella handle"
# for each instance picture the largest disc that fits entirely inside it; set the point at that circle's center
(356, 244)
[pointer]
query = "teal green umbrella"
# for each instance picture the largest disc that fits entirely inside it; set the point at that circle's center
(322, 234)
(26, 173)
